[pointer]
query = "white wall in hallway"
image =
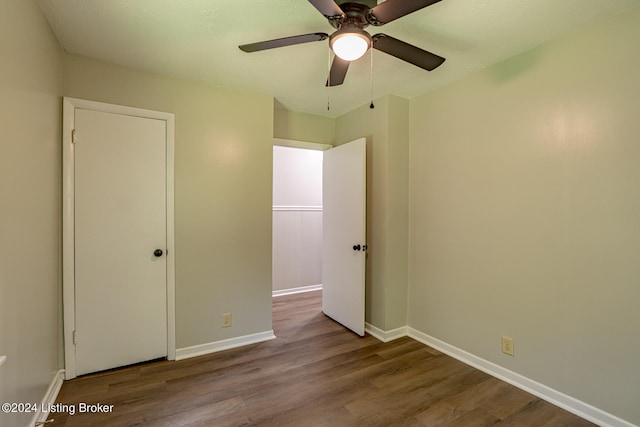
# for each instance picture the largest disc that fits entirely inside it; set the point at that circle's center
(297, 217)
(297, 177)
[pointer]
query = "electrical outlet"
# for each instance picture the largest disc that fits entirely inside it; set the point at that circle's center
(507, 345)
(226, 320)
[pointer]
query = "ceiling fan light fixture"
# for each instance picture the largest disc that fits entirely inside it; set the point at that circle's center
(350, 43)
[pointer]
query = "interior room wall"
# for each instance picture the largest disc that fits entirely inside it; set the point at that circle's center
(297, 218)
(30, 163)
(524, 214)
(305, 127)
(223, 186)
(397, 213)
(386, 128)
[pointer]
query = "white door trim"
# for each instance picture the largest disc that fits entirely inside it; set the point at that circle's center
(301, 144)
(68, 220)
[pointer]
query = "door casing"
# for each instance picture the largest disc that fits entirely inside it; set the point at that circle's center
(68, 221)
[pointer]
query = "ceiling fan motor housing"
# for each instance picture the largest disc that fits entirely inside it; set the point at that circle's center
(368, 3)
(356, 15)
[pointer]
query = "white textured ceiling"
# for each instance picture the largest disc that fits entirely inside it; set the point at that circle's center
(198, 39)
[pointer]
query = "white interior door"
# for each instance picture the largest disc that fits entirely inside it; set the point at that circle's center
(344, 232)
(120, 220)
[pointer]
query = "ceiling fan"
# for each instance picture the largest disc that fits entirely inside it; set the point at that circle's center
(351, 41)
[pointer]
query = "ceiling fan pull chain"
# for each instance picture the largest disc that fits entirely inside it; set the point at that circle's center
(371, 105)
(329, 79)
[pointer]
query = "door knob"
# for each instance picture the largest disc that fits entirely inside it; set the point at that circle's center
(158, 252)
(356, 247)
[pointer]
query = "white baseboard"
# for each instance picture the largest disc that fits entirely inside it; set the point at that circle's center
(299, 290)
(385, 336)
(566, 402)
(49, 399)
(202, 349)
(573, 405)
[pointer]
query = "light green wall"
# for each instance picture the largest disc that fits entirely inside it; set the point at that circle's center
(303, 127)
(525, 214)
(397, 213)
(30, 163)
(386, 130)
(222, 193)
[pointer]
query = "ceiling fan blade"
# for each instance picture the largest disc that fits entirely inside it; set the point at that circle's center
(407, 52)
(390, 10)
(338, 71)
(328, 8)
(285, 41)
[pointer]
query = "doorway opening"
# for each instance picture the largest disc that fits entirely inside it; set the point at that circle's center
(297, 217)
(337, 255)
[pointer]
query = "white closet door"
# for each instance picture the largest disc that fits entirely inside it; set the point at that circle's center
(120, 221)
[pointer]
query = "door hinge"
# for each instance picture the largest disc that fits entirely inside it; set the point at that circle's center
(75, 338)
(73, 136)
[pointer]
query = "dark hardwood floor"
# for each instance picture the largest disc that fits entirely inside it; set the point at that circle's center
(315, 373)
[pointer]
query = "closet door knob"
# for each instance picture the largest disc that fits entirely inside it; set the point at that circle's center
(158, 252)
(356, 247)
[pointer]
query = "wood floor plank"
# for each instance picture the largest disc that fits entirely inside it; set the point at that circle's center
(315, 373)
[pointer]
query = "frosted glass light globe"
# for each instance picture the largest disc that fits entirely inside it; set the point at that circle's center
(350, 43)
